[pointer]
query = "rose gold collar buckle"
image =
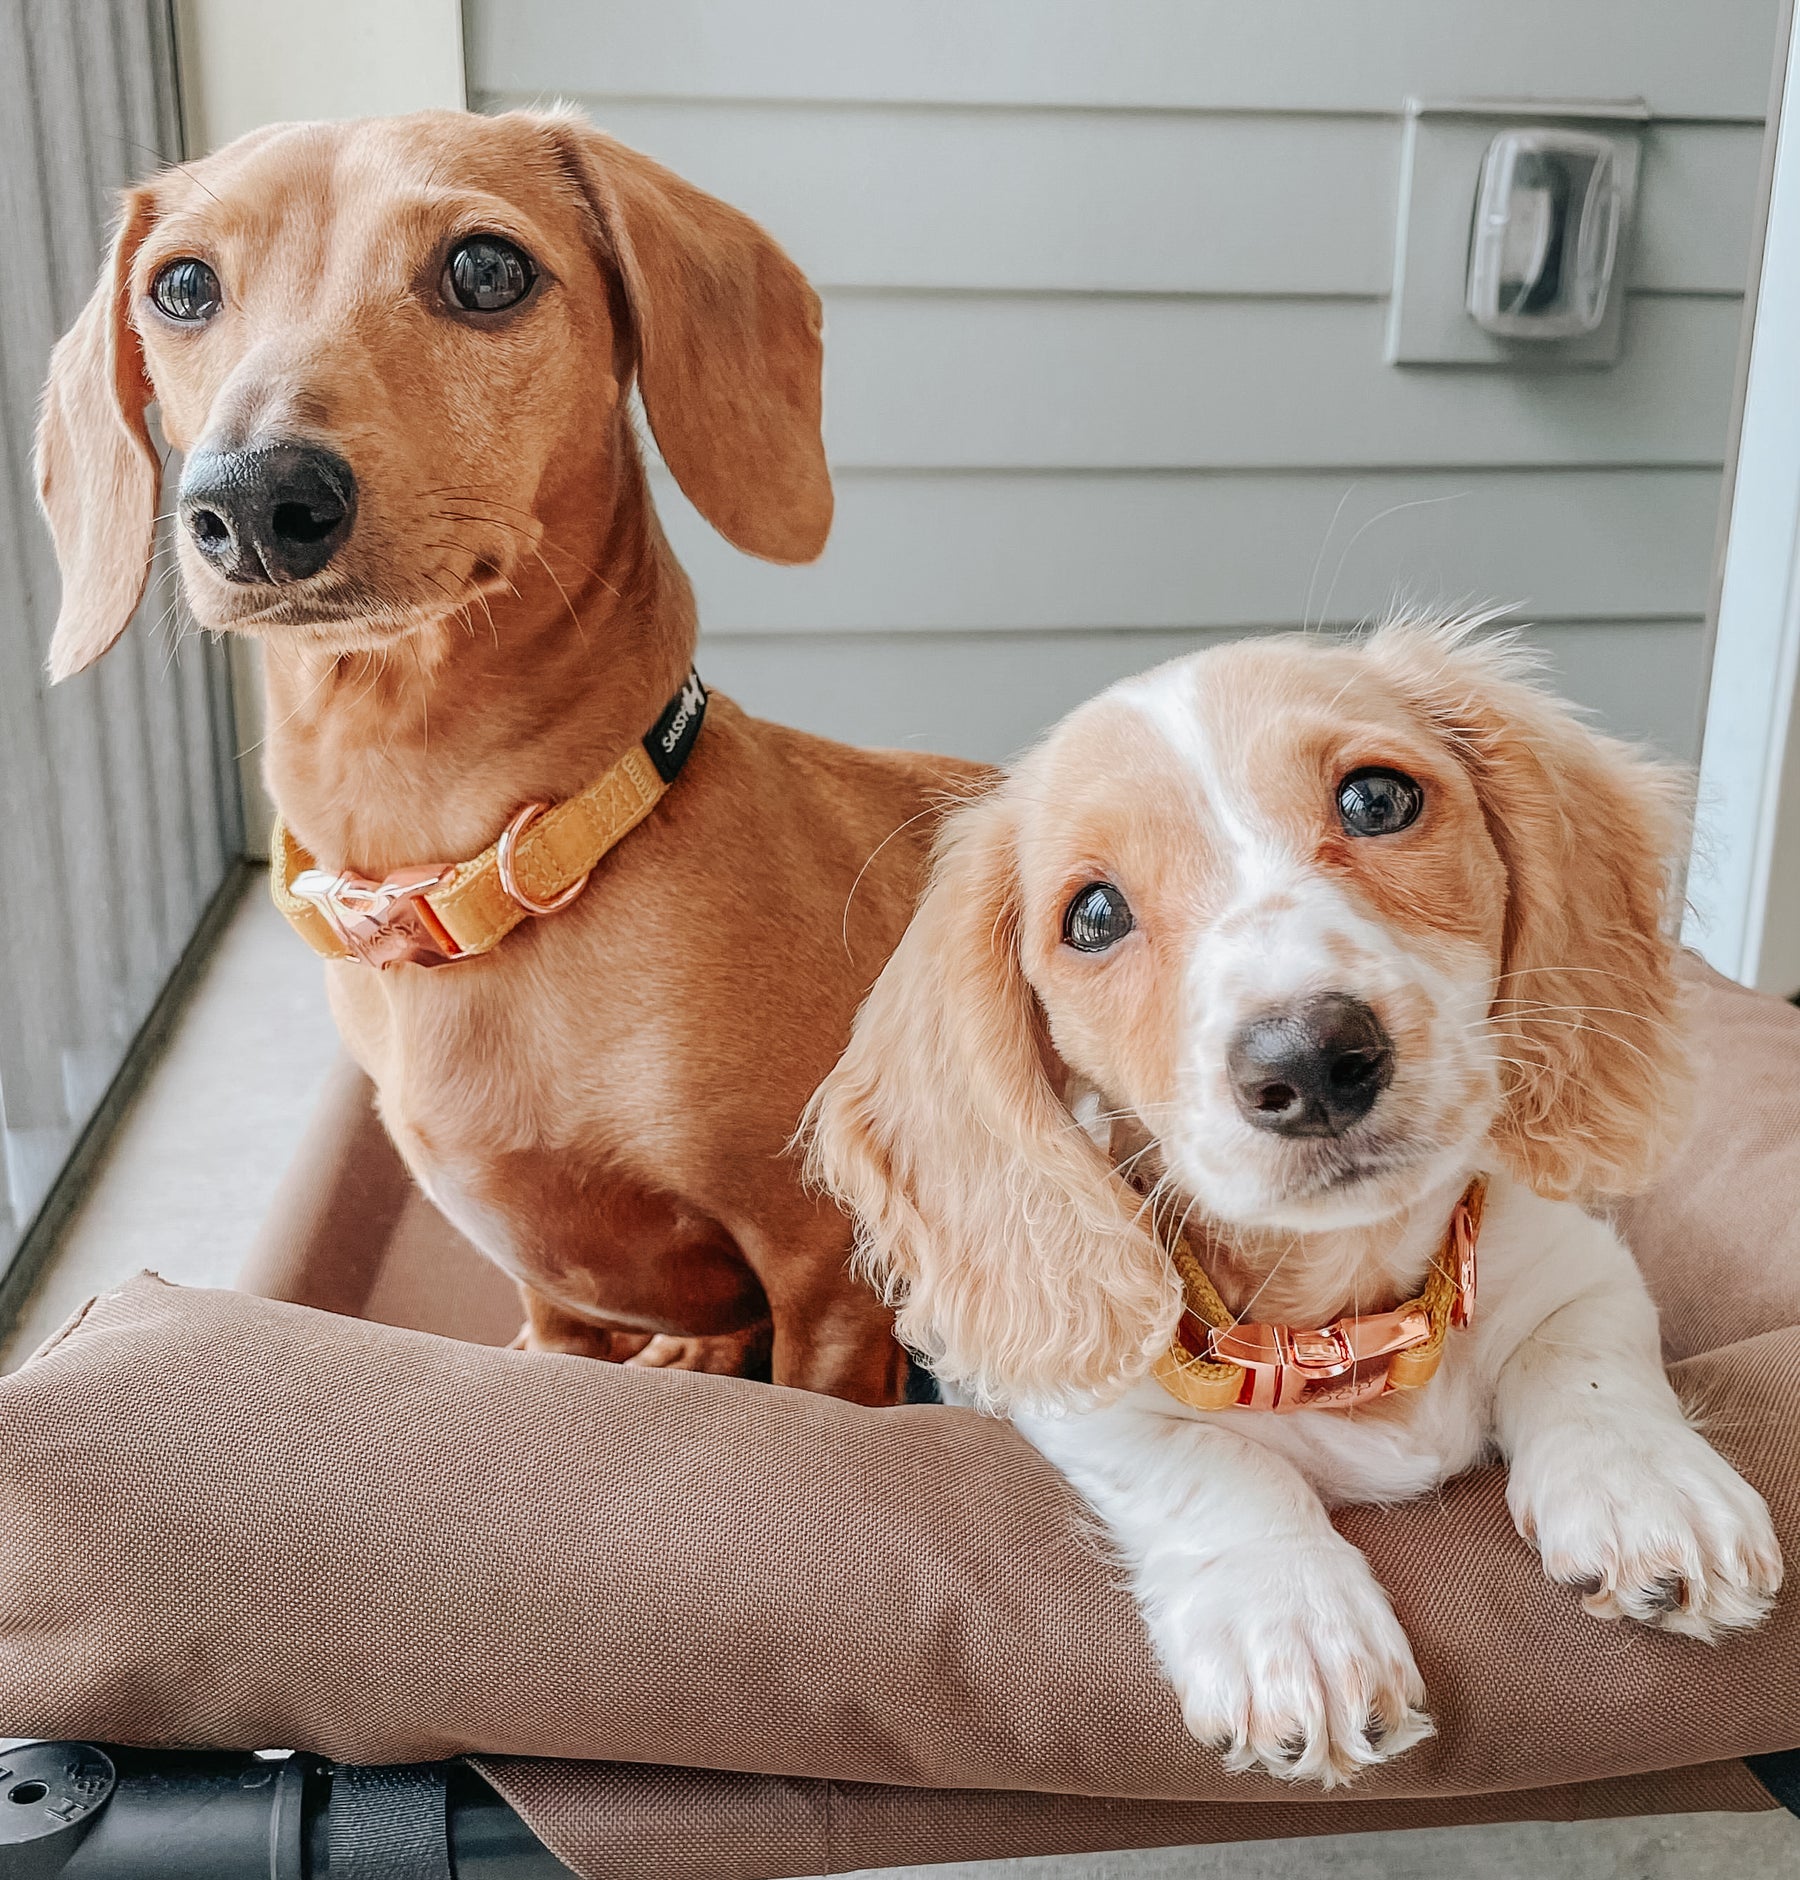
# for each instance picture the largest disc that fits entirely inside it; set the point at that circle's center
(1344, 1362)
(382, 923)
(1315, 1352)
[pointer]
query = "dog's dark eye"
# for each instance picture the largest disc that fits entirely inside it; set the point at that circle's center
(1378, 802)
(1097, 918)
(187, 290)
(487, 275)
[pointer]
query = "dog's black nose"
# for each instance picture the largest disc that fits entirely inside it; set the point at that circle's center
(1313, 1069)
(275, 512)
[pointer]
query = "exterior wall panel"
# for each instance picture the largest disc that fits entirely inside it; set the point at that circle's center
(1106, 286)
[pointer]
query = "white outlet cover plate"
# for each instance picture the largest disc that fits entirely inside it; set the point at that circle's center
(1440, 168)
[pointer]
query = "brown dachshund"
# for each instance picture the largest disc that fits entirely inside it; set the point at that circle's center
(396, 355)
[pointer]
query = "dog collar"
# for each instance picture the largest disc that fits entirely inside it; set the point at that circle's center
(441, 912)
(1221, 1363)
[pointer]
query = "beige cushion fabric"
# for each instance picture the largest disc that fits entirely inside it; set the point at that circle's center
(236, 1522)
(1719, 1235)
(613, 1821)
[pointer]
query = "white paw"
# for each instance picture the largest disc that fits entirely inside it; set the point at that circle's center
(1653, 1525)
(1290, 1659)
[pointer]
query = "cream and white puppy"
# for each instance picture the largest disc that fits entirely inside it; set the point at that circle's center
(1318, 930)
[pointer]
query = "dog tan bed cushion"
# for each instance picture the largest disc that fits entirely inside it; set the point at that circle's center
(773, 1620)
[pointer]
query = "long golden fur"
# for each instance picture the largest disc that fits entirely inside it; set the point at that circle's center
(1304, 1020)
(1018, 1259)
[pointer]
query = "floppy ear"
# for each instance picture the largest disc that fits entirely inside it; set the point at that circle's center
(729, 356)
(1015, 1254)
(98, 472)
(1587, 1012)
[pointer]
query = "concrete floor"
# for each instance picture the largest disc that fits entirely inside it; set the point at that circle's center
(186, 1183)
(1663, 1847)
(189, 1173)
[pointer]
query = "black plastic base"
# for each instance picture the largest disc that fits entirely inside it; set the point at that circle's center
(73, 1811)
(1780, 1775)
(77, 1811)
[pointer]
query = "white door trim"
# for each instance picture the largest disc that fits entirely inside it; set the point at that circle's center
(1744, 885)
(250, 62)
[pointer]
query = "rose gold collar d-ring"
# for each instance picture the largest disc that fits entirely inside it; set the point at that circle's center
(505, 853)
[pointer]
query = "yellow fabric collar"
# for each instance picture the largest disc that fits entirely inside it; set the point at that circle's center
(1221, 1363)
(438, 913)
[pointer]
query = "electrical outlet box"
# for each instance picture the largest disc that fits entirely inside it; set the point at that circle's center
(1514, 232)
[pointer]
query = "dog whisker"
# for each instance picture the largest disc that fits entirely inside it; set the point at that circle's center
(1525, 1008)
(1306, 620)
(1519, 972)
(541, 543)
(844, 927)
(1394, 509)
(567, 603)
(1597, 1031)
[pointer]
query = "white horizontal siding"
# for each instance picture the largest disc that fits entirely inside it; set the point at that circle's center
(1128, 202)
(997, 553)
(979, 381)
(988, 695)
(1105, 288)
(1697, 207)
(1688, 58)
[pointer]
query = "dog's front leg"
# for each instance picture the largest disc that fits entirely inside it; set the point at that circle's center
(1272, 1627)
(1609, 1480)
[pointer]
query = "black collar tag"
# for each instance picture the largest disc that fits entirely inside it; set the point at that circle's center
(670, 741)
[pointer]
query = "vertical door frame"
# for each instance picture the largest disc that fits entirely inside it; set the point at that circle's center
(1744, 884)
